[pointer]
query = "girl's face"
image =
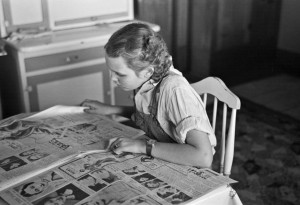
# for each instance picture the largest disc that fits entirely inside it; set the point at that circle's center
(152, 184)
(36, 156)
(28, 152)
(143, 179)
(60, 200)
(125, 77)
(88, 181)
(36, 187)
(14, 165)
(102, 173)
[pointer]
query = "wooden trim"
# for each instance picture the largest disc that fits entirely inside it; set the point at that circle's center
(203, 21)
(180, 35)
(91, 19)
(42, 26)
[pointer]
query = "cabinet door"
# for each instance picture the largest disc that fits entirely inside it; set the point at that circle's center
(69, 87)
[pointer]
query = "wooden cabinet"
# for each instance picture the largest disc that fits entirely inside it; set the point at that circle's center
(61, 67)
(33, 81)
(66, 78)
(64, 67)
(57, 57)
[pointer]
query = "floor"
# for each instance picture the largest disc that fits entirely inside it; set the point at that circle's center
(279, 93)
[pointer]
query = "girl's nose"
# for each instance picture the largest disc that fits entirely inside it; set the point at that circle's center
(113, 77)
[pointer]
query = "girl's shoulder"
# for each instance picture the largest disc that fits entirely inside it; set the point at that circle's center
(174, 81)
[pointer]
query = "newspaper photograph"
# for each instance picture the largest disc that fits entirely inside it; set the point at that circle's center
(33, 144)
(107, 178)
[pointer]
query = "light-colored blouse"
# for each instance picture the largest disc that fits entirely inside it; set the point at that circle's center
(180, 108)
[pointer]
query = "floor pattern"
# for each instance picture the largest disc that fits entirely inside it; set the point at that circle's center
(267, 157)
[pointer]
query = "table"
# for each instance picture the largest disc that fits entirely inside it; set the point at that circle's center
(60, 155)
(224, 195)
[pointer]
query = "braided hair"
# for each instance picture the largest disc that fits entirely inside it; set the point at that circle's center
(141, 47)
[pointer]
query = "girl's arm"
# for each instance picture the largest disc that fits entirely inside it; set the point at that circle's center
(196, 152)
(97, 107)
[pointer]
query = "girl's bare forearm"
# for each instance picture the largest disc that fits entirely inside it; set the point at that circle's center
(182, 154)
(124, 111)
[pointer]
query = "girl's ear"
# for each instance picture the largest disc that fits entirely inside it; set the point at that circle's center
(149, 72)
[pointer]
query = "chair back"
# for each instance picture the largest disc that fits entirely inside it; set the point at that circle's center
(216, 87)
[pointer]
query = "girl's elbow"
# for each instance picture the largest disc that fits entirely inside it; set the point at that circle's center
(205, 161)
(208, 161)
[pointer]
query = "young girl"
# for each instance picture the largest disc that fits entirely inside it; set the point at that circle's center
(165, 106)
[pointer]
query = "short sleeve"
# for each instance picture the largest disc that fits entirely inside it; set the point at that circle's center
(186, 111)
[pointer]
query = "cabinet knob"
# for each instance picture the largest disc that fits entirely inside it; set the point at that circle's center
(94, 18)
(68, 59)
(28, 89)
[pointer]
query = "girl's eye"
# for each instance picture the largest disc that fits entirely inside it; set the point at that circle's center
(121, 75)
(117, 74)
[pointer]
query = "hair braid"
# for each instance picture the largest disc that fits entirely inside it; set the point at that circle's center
(141, 47)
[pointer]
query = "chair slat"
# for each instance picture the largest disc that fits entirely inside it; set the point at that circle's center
(229, 151)
(205, 99)
(215, 110)
(223, 139)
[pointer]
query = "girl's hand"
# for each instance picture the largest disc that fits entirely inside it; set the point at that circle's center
(119, 145)
(96, 107)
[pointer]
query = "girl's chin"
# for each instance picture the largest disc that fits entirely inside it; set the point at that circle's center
(125, 89)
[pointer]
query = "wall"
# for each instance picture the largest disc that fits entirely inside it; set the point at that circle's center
(197, 31)
(1, 19)
(233, 23)
(0, 108)
(188, 29)
(289, 32)
(2, 33)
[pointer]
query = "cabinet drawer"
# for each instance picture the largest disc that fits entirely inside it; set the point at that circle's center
(61, 59)
(69, 87)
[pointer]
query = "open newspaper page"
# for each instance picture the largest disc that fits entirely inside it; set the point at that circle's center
(107, 178)
(32, 145)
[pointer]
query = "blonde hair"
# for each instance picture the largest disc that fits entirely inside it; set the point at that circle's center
(141, 47)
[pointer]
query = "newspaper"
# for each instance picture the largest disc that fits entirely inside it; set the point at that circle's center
(33, 144)
(90, 176)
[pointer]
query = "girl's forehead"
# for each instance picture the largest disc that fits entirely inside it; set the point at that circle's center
(115, 62)
(119, 65)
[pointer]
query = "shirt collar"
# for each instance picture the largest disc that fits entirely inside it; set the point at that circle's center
(150, 84)
(147, 86)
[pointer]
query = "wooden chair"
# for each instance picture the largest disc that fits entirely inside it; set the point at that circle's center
(215, 87)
